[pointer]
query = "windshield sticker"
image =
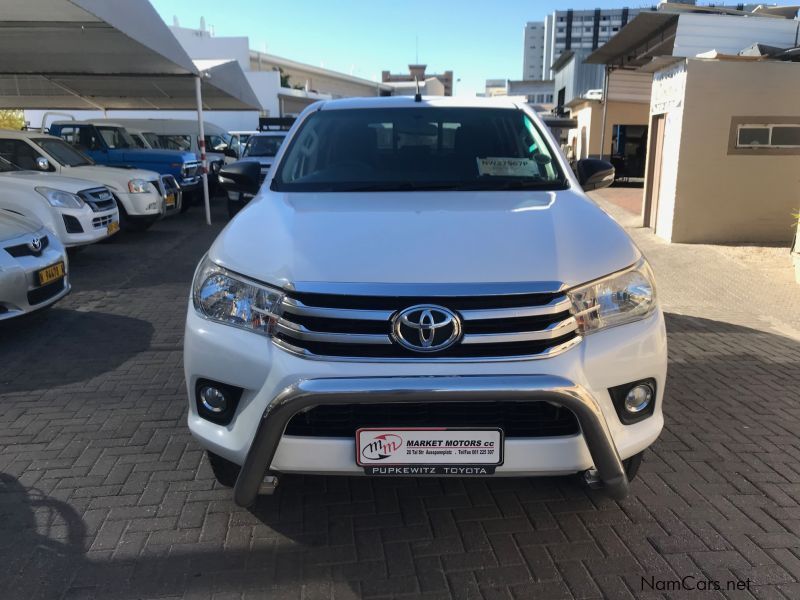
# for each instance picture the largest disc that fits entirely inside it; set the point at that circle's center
(499, 166)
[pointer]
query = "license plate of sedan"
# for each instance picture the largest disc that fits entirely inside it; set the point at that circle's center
(429, 451)
(51, 273)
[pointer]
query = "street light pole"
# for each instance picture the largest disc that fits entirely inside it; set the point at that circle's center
(605, 112)
(201, 143)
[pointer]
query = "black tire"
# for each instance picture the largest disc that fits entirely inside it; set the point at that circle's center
(632, 464)
(224, 470)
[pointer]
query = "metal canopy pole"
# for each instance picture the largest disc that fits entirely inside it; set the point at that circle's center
(201, 143)
(605, 112)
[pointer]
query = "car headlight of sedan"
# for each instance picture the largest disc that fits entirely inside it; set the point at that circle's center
(60, 198)
(225, 297)
(138, 186)
(621, 298)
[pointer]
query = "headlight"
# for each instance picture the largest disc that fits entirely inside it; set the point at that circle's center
(59, 198)
(228, 298)
(614, 300)
(138, 186)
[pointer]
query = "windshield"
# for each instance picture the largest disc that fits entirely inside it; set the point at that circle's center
(7, 166)
(175, 142)
(263, 145)
(62, 152)
(425, 148)
(217, 143)
(116, 137)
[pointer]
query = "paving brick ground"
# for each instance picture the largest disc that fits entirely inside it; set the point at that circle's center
(103, 494)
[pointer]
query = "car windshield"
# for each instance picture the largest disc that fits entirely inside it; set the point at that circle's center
(217, 143)
(7, 166)
(263, 145)
(63, 152)
(424, 148)
(116, 137)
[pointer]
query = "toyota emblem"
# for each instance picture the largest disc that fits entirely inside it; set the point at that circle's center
(35, 245)
(426, 328)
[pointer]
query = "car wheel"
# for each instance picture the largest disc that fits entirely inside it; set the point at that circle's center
(224, 470)
(632, 464)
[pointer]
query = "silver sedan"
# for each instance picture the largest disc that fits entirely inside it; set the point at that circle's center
(33, 266)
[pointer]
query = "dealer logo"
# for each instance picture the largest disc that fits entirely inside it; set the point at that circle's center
(382, 446)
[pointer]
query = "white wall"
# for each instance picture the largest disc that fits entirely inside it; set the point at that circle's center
(201, 45)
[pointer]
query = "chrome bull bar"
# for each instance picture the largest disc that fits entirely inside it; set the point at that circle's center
(308, 393)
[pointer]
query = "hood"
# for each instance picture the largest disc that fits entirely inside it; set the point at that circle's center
(32, 179)
(167, 156)
(13, 225)
(112, 176)
(424, 237)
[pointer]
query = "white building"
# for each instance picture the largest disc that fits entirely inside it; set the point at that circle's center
(534, 55)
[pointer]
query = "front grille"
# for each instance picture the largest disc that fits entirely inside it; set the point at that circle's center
(360, 327)
(190, 169)
(25, 249)
(44, 293)
(101, 222)
(516, 419)
(98, 199)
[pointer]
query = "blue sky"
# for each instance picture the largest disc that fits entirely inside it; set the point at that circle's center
(478, 40)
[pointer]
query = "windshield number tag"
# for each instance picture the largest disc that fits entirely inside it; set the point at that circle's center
(507, 167)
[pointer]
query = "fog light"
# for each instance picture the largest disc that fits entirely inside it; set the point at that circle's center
(213, 400)
(638, 398)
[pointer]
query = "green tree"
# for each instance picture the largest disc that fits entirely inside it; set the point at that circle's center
(11, 119)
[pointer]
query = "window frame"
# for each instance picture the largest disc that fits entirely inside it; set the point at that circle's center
(766, 122)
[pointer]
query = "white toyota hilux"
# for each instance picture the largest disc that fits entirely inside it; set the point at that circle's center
(422, 288)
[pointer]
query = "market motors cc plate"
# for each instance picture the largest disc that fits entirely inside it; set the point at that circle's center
(429, 450)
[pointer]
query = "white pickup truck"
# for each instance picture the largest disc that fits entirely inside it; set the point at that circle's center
(422, 288)
(143, 196)
(78, 212)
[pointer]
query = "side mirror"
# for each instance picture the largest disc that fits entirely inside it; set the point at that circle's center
(42, 163)
(594, 173)
(243, 177)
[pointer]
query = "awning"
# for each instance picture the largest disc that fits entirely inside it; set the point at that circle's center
(104, 54)
(649, 34)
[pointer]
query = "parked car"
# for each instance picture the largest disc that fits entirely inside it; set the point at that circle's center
(261, 148)
(33, 266)
(421, 287)
(182, 134)
(109, 144)
(142, 196)
(78, 212)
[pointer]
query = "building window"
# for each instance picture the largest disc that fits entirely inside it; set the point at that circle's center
(764, 136)
(768, 136)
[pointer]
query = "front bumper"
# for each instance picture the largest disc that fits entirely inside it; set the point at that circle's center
(276, 383)
(147, 204)
(19, 283)
(94, 225)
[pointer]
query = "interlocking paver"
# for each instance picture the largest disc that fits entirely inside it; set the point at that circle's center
(103, 493)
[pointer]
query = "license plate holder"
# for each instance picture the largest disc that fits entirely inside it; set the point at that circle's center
(170, 200)
(419, 451)
(112, 228)
(50, 274)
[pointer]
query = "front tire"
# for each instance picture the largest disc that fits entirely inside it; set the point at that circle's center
(224, 470)
(632, 464)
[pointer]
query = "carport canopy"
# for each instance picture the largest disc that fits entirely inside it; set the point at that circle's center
(105, 54)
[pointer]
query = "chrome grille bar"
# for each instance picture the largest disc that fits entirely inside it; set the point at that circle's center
(553, 331)
(302, 333)
(556, 306)
(296, 307)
